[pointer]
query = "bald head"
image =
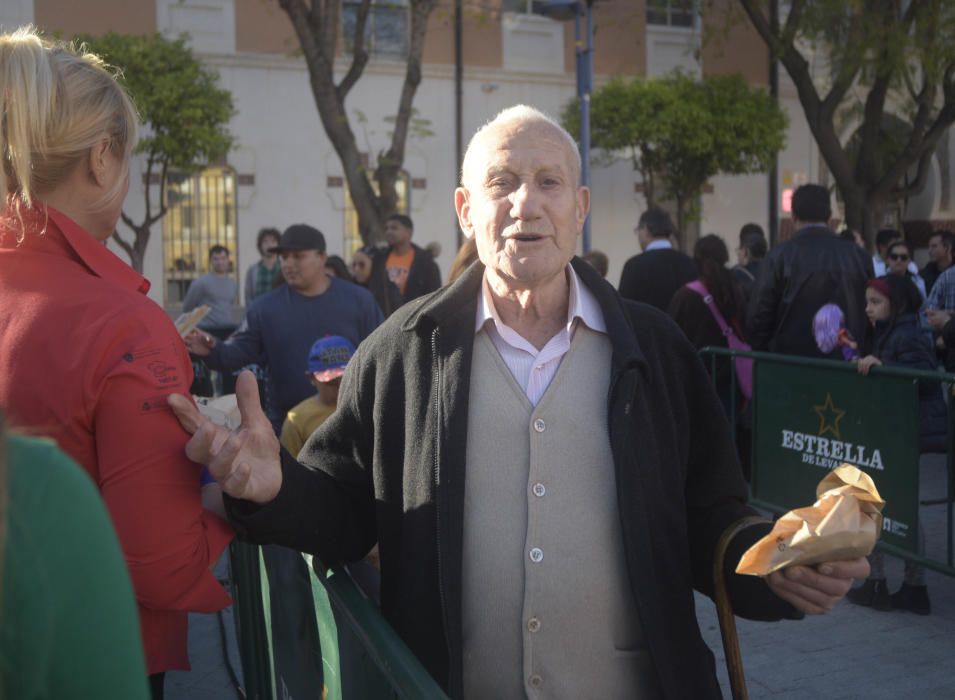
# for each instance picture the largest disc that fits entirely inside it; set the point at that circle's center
(505, 126)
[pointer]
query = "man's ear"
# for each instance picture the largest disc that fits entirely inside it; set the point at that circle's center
(583, 206)
(462, 205)
(98, 162)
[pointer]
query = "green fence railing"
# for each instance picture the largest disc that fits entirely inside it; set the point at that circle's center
(809, 415)
(305, 631)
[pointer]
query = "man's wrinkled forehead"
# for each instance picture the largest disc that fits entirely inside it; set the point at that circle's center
(510, 146)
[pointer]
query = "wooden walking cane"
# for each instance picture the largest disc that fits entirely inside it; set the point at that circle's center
(724, 609)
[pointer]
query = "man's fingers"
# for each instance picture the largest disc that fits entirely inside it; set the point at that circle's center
(800, 603)
(847, 568)
(237, 483)
(796, 588)
(187, 413)
(223, 465)
(201, 445)
(247, 398)
(816, 591)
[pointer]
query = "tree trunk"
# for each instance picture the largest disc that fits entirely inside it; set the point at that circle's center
(316, 26)
(136, 251)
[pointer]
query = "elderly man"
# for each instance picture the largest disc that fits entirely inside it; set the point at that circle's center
(543, 464)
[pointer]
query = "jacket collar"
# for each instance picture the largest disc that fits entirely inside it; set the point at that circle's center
(813, 229)
(51, 231)
(458, 303)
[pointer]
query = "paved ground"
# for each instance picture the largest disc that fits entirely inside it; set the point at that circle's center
(852, 653)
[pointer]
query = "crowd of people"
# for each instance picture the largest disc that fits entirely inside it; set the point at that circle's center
(539, 466)
(884, 310)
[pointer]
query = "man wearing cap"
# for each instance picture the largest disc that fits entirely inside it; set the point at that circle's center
(326, 365)
(281, 326)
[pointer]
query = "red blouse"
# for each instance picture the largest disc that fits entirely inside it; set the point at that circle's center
(88, 360)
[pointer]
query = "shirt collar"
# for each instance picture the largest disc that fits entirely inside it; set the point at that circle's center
(582, 305)
(73, 239)
(658, 244)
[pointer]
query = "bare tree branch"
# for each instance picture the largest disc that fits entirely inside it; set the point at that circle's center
(921, 178)
(121, 242)
(359, 52)
(150, 161)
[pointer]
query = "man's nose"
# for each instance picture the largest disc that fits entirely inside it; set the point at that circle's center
(525, 202)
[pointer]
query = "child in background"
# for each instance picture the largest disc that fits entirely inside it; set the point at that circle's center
(326, 365)
(896, 339)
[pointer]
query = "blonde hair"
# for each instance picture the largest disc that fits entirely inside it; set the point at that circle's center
(57, 101)
(519, 114)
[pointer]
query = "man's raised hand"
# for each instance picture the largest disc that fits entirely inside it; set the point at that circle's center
(245, 461)
(199, 343)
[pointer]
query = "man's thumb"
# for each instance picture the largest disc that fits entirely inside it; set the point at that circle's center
(247, 398)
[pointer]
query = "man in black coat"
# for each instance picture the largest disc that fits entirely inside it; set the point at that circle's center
(813, 268)
(654, 275)
(941, 253)
(394, 464)
(752, 249)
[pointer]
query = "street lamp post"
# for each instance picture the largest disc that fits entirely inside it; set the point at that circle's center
(582, 13)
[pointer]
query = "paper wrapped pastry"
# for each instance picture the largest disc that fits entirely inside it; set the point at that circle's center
(843, 524)
(222, 410)
(188, 321)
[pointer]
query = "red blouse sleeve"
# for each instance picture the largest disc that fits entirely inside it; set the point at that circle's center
(150, 488)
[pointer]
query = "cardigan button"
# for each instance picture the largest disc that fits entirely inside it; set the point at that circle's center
(533, 625)
(539, 425)
(536, 554)
(539, 489)
(536, 681)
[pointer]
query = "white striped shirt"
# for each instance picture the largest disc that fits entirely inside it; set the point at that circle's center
(532, 369)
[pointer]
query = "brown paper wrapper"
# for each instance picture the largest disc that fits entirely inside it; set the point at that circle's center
(844, 523)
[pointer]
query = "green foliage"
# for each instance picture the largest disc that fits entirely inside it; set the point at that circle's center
(185, 112)
(679, 131)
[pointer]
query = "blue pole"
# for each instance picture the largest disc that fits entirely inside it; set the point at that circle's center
(585, 71)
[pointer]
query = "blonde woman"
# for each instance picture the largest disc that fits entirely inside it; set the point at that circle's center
(85, 357)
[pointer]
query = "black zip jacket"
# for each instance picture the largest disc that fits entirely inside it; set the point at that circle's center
(813, 268)
(389, 466)
(424, 276)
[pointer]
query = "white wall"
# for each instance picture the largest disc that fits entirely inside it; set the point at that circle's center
(15, 13)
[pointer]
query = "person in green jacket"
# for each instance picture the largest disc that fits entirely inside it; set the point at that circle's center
(68, 621)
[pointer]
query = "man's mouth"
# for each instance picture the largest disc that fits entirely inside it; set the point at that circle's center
(525, 237)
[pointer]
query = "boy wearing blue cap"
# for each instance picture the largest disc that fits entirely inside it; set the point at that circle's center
(326, 365)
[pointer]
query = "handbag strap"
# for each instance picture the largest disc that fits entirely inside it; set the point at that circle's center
(700, 289)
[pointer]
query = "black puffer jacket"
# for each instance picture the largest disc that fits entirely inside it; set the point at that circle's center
(905, 344)
(810, 270)
(389, 465)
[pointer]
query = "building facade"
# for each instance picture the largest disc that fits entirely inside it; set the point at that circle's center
(284, 169)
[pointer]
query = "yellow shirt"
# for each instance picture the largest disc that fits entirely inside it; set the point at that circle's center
(398, 267)
(303, 420)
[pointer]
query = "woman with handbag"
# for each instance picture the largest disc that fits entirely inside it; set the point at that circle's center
(710, 312)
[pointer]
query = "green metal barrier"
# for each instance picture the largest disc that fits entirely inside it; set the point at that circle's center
(809, 415)
(339, 648)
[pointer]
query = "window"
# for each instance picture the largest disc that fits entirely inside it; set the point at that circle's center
(526, 6)
(201, 213)
(386, 29)
(352, 238)
(672, 13)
